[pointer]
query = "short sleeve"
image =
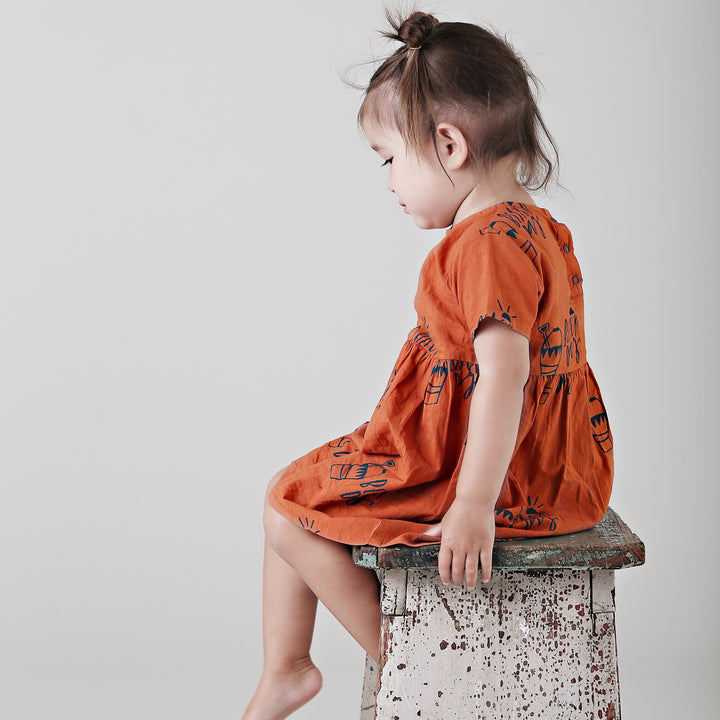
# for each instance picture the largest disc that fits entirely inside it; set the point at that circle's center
(496, 278)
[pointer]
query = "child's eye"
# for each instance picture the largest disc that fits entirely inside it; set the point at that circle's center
(387, 162)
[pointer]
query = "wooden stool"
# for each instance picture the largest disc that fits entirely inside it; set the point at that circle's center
(537, 641)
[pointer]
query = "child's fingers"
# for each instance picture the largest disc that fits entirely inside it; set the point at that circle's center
(445, 563)
(486, 563)
(471, 570)
(458, 568)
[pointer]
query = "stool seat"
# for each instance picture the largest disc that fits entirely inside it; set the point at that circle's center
(537, 641)
(608, 545)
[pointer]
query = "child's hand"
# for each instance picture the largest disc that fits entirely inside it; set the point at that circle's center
(467, 530)
(467, 533)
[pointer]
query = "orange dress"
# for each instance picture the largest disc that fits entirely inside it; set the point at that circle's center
(394, 476)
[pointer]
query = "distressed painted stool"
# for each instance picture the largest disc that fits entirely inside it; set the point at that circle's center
(537, 641)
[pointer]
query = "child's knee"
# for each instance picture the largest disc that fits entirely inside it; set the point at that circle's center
(279, 531)
(276, 526)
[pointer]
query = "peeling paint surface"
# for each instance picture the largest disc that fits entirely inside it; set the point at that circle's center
(609, 545)
(528, 644)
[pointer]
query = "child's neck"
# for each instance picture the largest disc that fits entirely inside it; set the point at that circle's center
(484, 192)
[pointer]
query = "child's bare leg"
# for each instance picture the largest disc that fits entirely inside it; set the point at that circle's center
(350, 592)
(289, 678)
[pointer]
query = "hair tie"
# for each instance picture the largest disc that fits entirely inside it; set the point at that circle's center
(414, 47)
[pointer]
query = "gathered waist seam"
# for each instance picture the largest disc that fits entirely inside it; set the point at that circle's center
(582, 368)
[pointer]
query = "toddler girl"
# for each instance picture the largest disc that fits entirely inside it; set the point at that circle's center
(491, 424)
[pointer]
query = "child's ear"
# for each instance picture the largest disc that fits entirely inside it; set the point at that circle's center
(452, 146)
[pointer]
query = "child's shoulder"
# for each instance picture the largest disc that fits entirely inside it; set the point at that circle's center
(511, 229)
(506, 218)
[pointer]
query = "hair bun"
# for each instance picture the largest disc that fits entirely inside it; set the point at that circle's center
(414, 31)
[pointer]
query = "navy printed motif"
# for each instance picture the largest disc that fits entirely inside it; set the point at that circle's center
(438, 376)
(529, 249)
(551, 350)
(599, 421)
(546, 390)
(344, 441)
(307, 525)
(529, 516)
(560, 380)
(559, 346)
(422, 337)
(517, 217)
(563, 381)
(571, 338)
(504, 317)
(496, 227)
(356, 497)
(359, 471)
(366, 490)
(463, 372)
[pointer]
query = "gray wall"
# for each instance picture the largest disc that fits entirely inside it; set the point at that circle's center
(203, 276)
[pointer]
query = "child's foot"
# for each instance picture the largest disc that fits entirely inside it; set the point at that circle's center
(282, 692)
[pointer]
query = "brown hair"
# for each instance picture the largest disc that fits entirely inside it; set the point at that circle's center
(464, 74)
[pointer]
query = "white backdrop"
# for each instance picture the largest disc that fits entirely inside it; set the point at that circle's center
(203, 276)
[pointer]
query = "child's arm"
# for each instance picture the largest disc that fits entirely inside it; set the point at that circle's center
(468, 527)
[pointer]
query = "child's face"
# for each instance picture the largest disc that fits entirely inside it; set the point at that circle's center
(422, 186)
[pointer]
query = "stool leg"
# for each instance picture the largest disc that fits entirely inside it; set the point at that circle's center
(370, 689)
(606, 686)
(393, 586)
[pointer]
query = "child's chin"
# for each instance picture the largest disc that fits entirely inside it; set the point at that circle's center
(425, 224)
